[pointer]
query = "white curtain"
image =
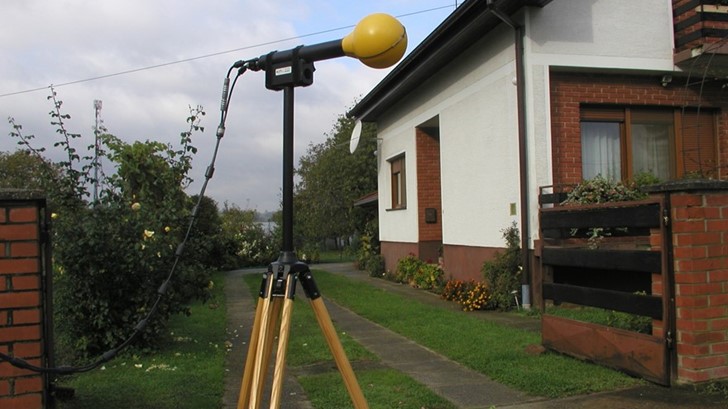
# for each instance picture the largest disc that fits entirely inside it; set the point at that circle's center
(600, 150)
(651, 149)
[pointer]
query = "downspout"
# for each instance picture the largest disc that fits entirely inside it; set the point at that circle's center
(522, 156)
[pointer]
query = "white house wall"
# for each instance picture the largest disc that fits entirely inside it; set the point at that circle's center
(475, 100)
(624, 34)
(478, 146)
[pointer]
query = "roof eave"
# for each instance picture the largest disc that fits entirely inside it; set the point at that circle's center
(469, 22)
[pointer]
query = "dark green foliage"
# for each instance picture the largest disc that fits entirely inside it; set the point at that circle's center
(368, 258)
(107, 276)
(331, 179)
(503, 272)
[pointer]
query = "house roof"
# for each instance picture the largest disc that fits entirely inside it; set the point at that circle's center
(468, 23)
(368, 199)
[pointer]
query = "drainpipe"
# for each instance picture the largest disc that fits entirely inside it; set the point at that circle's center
(522, 156)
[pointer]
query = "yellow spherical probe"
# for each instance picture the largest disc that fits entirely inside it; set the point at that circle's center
(378, 40)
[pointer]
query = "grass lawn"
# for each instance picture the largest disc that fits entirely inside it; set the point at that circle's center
(382, 388)
(186, 373)
(494, 350)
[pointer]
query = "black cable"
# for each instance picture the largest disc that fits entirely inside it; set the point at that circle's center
(242, 66)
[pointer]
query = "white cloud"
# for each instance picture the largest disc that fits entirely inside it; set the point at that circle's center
(56, 42)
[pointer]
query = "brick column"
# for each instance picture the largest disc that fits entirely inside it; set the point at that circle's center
(429, 196)
(700, 251)
(21, 295)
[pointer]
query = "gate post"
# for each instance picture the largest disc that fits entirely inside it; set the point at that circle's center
(699, 224)
(24, 288)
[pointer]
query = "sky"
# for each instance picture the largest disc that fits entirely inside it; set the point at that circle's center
(149, 61)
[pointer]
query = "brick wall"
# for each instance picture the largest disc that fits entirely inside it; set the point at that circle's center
(700, 244)
(689, 21)
(429, 190)
(429, 194)
(21, 311)
(570, 90)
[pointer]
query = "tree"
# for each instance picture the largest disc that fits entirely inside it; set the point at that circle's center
(111, 255)
(24, 170)
(331, 179)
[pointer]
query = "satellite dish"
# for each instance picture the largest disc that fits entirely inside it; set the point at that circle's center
(355, 134)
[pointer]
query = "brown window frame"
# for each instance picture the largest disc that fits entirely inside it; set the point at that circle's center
(686, 122)
(398, 182)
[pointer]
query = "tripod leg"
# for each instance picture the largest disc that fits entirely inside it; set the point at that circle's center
(283, 334)
(245, 387)
(254, 375)
(329, 332)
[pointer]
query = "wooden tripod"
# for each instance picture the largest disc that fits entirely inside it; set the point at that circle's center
(275, 305)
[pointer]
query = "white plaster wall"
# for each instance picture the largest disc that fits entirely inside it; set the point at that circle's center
(475, 100)
(397, 225)
(479, 155)
(623, 34)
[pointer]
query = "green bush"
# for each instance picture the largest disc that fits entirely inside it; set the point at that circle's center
(503, 272)
(108, 273)
(417, 273)
(367, 257)
(111, 253)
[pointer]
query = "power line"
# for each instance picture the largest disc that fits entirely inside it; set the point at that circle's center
(200, 57)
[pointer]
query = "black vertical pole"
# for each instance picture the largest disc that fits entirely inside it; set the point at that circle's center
(288, 256)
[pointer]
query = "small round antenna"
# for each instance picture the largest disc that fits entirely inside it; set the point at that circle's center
(355, 134)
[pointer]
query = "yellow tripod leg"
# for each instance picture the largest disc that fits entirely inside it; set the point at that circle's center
(256, 361)
(247, 383)
(280, 363)
(329, 332)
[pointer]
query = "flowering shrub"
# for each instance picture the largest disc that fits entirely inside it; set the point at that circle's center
(601, 190)
(471, 295)
(112, 253)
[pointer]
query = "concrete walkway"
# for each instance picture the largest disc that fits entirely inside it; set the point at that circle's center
(463, 387)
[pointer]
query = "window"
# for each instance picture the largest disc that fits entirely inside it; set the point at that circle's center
(619, 143)
(399, 191)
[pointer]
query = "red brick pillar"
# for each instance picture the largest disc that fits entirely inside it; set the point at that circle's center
(21, 300)
(429, 202)
(700, 251)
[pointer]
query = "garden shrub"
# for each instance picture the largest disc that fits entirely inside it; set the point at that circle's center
(367, 257)
(112, 253)
(419, 274)
(471, 295)
(601, 190)
(503, 272)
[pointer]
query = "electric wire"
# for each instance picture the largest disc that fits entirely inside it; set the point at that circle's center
(203, 56)
(162, 290)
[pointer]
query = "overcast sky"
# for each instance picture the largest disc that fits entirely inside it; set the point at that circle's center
(68, 43)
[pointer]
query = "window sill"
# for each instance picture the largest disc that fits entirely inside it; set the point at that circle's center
(394, 209)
